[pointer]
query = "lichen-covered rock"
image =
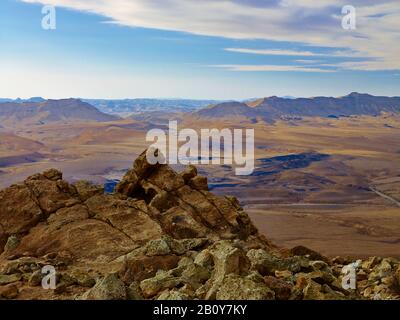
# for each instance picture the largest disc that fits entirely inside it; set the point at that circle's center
(397, 275)
(184, 245)
(173, 295)
(235, 287)
(158, 247)
(12, 243)
(6, 279)
(35, 279)
(204, 259)
(227, 259)
(267, 264)
(133, 292)
(163, 280)
(108, 288)
(195, 275)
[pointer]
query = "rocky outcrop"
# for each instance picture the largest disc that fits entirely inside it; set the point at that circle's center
(161, 235)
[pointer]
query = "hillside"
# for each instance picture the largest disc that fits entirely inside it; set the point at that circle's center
(15, 113)
(274, 108)
(138, 106)
(161, 235)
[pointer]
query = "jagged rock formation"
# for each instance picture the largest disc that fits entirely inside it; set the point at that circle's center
(161, 235)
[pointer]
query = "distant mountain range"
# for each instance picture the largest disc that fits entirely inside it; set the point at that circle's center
(134, 106)
(40, 111)
(139, 106)
(19, 100)
(46, 111)
(273, 108)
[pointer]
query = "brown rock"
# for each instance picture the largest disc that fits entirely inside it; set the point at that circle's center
(370, 263)
(67, 215)
(182, 224)
(87, 190)
(53, 175)
(281, 288)
(189, 173)
(51, 195)
(130, 184)
(9, 291)
(304, 251)
(163, 201)
(19, 210)
(125, 216)
(166, 179)
(142, 167)
(284, 274)
(199, 183)
(205, 209)
(146, 267)
(89, 240)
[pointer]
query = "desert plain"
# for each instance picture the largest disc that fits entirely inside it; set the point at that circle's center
(331, 184)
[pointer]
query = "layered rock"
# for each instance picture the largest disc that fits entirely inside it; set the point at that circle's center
(161, 235)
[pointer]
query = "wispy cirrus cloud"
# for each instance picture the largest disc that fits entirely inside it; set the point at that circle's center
(307, 61)
(270, 68)
(280, 52)
(309, 22)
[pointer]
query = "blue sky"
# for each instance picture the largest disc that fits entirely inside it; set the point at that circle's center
(211, 49)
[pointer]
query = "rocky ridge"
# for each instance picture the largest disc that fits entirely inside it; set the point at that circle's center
(160, 235)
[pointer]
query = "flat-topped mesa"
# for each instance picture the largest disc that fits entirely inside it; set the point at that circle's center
(183, 203)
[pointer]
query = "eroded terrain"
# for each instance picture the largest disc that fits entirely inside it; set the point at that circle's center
(330, 184)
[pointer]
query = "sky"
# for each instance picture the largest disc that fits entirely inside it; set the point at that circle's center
(208, 49)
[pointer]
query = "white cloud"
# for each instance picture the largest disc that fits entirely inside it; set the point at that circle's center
(315, 23)
(270, 68)
(359, 65)
(273, 52)
(280, 52)
(305, 61)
